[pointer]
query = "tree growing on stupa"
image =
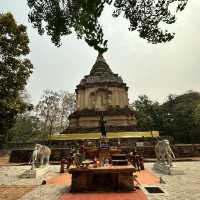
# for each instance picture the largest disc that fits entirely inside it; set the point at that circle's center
(63, 17)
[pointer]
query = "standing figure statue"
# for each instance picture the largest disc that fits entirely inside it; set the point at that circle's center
(40, 154)
(102, 123)
(164, 153)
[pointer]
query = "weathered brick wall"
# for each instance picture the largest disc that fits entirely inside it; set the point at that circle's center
(186, 150)
(24, 155)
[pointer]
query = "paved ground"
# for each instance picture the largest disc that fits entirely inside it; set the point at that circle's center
(138, 195)
(179, 187)
(14, 192)
(9, 176)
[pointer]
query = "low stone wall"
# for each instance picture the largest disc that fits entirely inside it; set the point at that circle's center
(24, 155)
(180, 150)
(20, 155)
(186, 150)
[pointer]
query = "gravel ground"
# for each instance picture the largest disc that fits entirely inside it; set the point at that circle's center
(9, 175)
(176, 187)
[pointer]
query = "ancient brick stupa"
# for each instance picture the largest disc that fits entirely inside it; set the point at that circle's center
(102, 92)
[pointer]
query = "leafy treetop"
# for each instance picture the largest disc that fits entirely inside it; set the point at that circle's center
(62, 17)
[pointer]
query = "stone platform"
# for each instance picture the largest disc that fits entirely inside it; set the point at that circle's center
(33, 173)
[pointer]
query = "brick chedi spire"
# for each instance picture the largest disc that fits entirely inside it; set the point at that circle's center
(100, 66)
(100, 58)
(100, 74)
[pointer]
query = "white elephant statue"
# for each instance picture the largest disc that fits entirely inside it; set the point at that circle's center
(40, 154)
(164, 152)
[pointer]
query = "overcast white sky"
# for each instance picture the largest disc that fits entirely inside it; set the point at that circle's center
(154, 70)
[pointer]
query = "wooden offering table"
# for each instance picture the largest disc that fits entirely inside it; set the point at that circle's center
(109, 178)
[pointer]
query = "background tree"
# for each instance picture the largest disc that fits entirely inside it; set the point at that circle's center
(62, 17)
(148, 114)
(48, 109)
(67, 106)
(54, 109)
(196, 115)
(15, 70)
(180, 117)
(26, 129)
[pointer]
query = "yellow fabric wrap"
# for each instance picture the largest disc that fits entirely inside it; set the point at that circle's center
(110, 135)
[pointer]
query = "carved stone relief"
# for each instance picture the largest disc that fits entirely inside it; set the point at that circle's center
(100, 99)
